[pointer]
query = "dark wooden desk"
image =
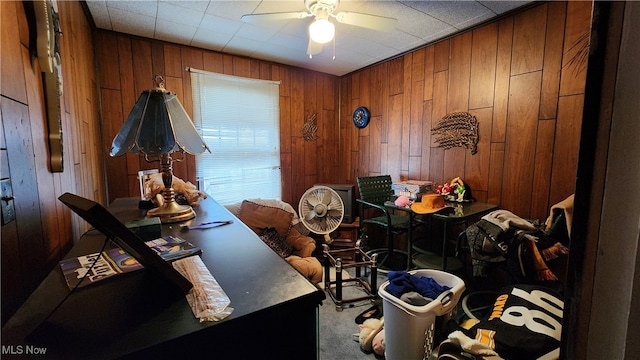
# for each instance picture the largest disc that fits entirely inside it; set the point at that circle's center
(462, 214)
(134, 316)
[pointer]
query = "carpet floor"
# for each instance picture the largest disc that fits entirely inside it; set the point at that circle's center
(337, 328)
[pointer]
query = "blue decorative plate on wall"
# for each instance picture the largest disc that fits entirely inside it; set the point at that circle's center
(361, 117)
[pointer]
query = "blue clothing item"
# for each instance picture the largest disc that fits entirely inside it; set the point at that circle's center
(401, 282)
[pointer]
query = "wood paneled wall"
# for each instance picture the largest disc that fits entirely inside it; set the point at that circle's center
(44, 230)
(519, 76)
(522, 77)
(127, 65)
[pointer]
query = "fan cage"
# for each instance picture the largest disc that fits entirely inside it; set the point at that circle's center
(321, 224)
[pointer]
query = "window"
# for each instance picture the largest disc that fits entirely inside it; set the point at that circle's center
(239, 119)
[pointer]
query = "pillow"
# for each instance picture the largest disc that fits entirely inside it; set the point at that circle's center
(276, 242)
(259, 217)
(298, 225)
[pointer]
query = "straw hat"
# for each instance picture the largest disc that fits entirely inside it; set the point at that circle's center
(430, 203)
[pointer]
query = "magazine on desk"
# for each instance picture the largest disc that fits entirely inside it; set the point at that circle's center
(115, 261)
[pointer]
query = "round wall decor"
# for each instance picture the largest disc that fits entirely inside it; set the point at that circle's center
(361, 117)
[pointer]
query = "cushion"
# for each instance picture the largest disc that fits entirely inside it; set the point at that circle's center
(310, 267)
(259, 217)
(302, 245)
(299, 226)
(271, 237)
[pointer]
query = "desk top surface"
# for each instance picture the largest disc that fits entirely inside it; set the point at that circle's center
(130, 312)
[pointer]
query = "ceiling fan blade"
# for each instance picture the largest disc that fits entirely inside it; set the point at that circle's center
(313, 48)
(374, 22)
(248, 18)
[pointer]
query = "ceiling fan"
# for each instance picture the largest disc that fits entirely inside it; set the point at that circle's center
(322, 30)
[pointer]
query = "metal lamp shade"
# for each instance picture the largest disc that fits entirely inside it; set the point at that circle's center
(158, 125)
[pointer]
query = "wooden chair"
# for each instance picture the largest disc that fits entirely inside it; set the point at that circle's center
(374, 192)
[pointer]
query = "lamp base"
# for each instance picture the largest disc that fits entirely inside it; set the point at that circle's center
(171, 212)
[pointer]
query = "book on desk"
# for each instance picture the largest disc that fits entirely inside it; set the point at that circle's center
(81, 271)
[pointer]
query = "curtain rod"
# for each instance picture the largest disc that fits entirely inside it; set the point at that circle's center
(240, 78)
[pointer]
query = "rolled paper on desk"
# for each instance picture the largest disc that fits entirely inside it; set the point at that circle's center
(207, 299)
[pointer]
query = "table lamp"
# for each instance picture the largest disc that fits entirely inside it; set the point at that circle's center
(158, 126)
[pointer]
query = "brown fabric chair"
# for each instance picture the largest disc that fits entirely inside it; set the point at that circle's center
(260, 214)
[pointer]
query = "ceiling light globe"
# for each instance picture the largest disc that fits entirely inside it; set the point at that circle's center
(322, 31)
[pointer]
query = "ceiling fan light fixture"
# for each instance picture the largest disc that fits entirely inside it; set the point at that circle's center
(322, 30)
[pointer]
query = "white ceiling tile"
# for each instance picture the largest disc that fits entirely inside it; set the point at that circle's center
(178, 33)
(275, 53)
(500, 7)
(275, 6)
(473, 21)
(198, 5)
(360, 48)
(232, 9)
(179, 14)
(93, 4)
(250, 31)
(238, 45)
(294, 42)
(206, 45)
(393, 9)
(130, 23)
(146, 8)
(209, 39)
(397, 40)
(451, 12)
(217, 25)
(419, 24)
(440, 35)
(101, 18)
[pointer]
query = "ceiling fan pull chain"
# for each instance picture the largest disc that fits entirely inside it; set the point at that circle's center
(334, 48)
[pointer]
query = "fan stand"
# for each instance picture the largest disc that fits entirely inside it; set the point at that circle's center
(335, 288)
(327, 239)
(322, 205)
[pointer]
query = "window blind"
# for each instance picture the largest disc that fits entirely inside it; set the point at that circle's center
(239, 119)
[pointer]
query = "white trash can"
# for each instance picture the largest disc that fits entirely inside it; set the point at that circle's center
(408, 329)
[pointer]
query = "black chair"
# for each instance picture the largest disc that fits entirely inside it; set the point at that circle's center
(375, 191)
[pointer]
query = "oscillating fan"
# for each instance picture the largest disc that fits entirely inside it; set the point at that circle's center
(321, 211)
